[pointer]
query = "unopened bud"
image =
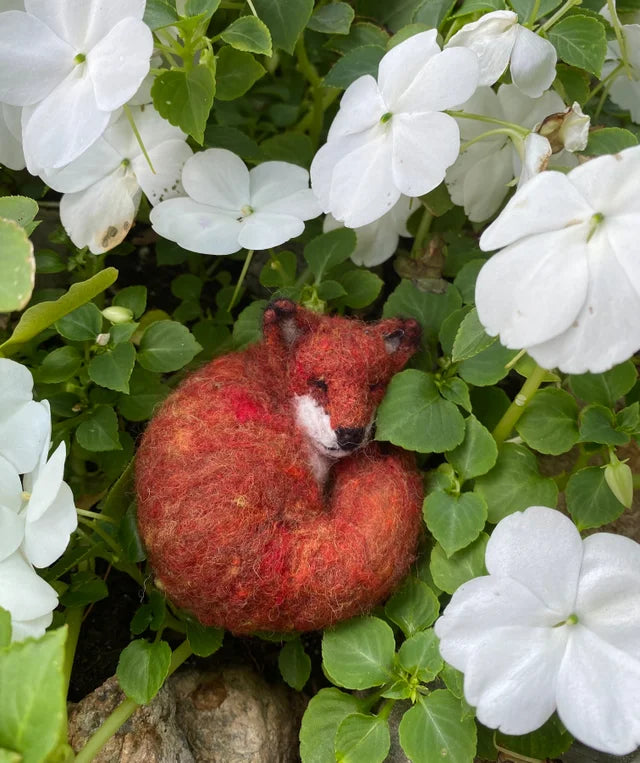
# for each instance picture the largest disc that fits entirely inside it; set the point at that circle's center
(117, 314)
(619, 478)
(567, 129)
(103, 339)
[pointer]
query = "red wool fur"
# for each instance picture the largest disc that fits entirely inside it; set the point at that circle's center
(261, 504)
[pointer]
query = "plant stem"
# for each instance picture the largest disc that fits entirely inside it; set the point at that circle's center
(243, 273)
(515, 136)
(622, 40)
(534, 15)
(317, 91)
(603, 83)
(124, 711)
(423, 229)
(519, 129)
(74, 622)
(516, 409)
(131, 121)
(559, 14)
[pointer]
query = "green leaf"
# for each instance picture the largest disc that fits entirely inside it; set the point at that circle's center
(143, 668)
(294, 664)
(293, 147)
(465, 281)
(524, 8)
(159, 13)
(248, 326)
(549, 423)
(216, 136)
(113, 368)
(548, 742)
(433, 730)
(362, 287)
(359, 653)
(146, 392)
(605, 388)
(609, 140)
(590, 500)
(574, 82)
(328, 290)
(433, 12)
(185, 98)
(597, 424)
(5, 628)
(279, 270)
(457, 392)
(100, 431)
(453, 680)
(33, 717)
(334, 18)
(129, 537)
(471, 338)
(413, 607)
(85, 588)
(415, 417)
(20, 209)
(362, 739)
(167, 346)
(204, 640)
(81, 325)
(428, 308)
(361, 33)
(286, 20)
(355, 63)
(487, 367)
(454, 521)
(515, 483)
(476, 454)
(201, 7)
(59, 365)
(17, 268)
(420, 656)
(450, 572)
(489, 405)
(324, 713)
(328, 250)
(39, 317)
(249, 35)
(133, 298)
(581, 41)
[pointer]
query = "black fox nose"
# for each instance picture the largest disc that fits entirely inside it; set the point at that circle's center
(349, 438)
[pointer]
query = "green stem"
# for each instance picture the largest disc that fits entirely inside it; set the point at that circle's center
(74, 622)
(622, 40)
(518, 129)
(533, 15)
(612, 75)
(124, 711)
(130, 119)
(96, 515)
(303, 278)
(559, 14)
(386, 709)
(317, 91)
(252, 7)
(516, 409)
(423, 229)
(515, 136)
(243, 273)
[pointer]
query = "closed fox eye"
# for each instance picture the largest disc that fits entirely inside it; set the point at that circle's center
(320, 384)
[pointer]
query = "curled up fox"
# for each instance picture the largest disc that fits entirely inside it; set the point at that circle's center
(262, 502)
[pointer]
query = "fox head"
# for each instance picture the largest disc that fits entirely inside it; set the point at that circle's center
(338, 370)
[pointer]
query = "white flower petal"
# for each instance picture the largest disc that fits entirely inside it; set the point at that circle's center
(29, 478)
(626, 94)
(361, 107)
(219, 178)
(33, 60)
(71, 104)
(11, 155)
(479, 609)
(10, 489)
(491, 38)
(263, 230)
(16, 384)
(542, 549)
(362, 184)
(606, 331)
(272, 183)
(479, 179)
(154, 129)
(424, 145)
(511, 680)
(46, 538)
(22, 591)
(98, 161)
(526, 111)
(403, 64)
(101, 216)
(597, 693)
(22, 629)
(197, 227)
(533, 62)
(324, 163)
(168, 159)
(119, 62)
(12, 531)
(537, 152)
(47, 484)
(22, 435)
(623, 233)
(610, 183)
(484, 101)
(548, 202)
(608, 600)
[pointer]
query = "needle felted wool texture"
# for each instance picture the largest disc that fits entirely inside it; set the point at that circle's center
(254, 521)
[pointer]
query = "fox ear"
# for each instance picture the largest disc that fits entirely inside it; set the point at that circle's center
(284, 322)
(401, 339)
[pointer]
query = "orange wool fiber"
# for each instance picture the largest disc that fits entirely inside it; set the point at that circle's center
(257, 510)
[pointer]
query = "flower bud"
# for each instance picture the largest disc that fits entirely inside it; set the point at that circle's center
(103, 339)
(567, 129)
(619, 477)
(116, 314)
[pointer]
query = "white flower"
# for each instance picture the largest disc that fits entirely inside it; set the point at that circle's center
(70, 64)
(377, 241)
(481, 176)
(555, 625)
(229, 207)
(103, 186)
(26, 596)
(537, 152)
(24, 424)
(566, 285)
(390, 136)
(625, 91)
(497, 38)
(11, 155)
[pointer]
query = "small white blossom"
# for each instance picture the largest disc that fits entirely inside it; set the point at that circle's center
(555, 625)
(377, 241)
(496, 39)
(26, 596)
(103, 186)
(70, 65)
(566, 284)
(624, 90)
(229, 207)
(481, 176)
(390, 136)
(24, 424)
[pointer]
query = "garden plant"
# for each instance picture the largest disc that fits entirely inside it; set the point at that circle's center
(169, 169)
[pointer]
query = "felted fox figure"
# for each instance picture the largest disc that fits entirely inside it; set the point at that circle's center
(260, 500)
